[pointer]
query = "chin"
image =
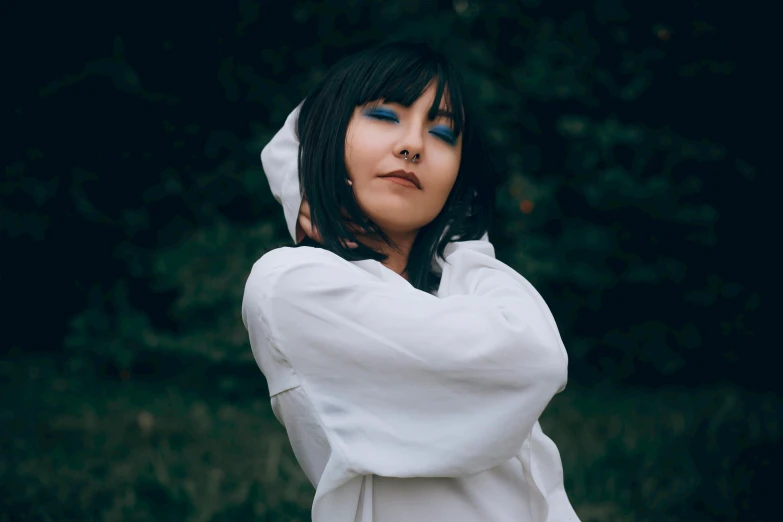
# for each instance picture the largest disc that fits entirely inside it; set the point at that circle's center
(397, 213)
(391, 226)
(391, 223)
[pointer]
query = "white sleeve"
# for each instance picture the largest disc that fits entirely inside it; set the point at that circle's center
(407, 384)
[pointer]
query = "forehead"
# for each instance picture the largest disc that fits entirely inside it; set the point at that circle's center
(427, 97)
(428, 93)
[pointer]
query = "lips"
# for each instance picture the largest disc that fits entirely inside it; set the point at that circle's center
(404, 174)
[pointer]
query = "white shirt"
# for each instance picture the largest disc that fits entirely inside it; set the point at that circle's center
(401, 405)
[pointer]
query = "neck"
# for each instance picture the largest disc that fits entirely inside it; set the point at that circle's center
(396, 261)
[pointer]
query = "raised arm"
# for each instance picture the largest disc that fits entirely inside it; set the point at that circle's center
(407, 384)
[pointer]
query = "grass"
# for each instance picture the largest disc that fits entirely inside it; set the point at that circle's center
(81, 443)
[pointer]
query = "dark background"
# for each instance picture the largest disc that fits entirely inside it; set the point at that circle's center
(134, 204)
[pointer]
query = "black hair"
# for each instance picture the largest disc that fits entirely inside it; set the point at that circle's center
(397, 72)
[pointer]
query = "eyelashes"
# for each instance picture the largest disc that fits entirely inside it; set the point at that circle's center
(440, 131)
(383, 115)
(445, 134)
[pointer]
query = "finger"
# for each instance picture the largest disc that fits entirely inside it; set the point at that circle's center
(305, 223)
(356, 229)
(312, 233)
(304, 211)
(310, 230)
(304, 208)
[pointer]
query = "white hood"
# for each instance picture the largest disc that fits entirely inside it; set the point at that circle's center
(280, 159)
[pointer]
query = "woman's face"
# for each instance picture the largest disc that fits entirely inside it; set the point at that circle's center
(376, 136)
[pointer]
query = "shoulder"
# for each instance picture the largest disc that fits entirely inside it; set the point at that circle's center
(287, 268)
(302, 279)
(284, 259)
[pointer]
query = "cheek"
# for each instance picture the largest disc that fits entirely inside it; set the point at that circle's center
(440, 195)
(362, 152)
(448, 175)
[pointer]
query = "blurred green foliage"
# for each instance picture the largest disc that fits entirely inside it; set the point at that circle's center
(590, 206)
(153, 409)
(86, 446)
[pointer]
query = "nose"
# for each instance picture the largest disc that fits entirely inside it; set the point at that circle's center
(411, 146)
(407, 157)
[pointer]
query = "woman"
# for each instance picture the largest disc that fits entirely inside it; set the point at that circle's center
(407, 364)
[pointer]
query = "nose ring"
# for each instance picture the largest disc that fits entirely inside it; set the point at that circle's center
(405, 156)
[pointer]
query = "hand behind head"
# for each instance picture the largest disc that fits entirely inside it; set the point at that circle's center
(304, 227)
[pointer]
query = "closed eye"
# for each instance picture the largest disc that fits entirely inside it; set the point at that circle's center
(441, 132)
(382, 114)
(445, 134)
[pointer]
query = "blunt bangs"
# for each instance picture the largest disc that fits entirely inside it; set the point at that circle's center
(397, 72)
(401, 75)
